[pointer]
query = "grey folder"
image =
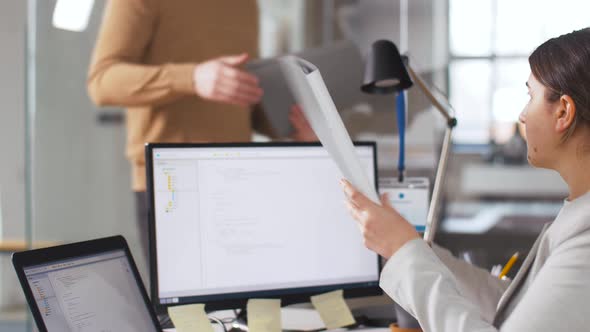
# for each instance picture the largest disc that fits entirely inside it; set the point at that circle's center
(341, 67)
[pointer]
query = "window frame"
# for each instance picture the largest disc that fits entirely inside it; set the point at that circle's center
(493, 58)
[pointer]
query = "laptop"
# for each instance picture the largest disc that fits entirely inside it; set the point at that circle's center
(86, 286)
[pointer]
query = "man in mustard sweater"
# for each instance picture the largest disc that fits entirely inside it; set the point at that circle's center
(176, 67)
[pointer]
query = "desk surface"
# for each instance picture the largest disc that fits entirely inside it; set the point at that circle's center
(301, 319)
(511, 181)
(483, 217)
(364, 329)
(10, 246)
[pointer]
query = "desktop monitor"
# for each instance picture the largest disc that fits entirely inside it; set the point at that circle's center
(230, 222)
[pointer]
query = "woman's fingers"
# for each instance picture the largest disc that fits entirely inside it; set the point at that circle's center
(385, 202)
(383, 229)
(355, 196)
(357, 215)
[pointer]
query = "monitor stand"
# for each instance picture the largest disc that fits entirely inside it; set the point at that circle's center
(241, 322)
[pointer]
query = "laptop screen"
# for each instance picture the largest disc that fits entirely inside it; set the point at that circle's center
(89, 293)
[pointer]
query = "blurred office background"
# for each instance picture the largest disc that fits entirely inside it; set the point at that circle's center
(64, 178)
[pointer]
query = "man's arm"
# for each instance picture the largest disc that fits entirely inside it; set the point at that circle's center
(117, 75)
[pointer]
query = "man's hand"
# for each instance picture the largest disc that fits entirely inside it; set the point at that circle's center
(222, 80)
(303, 131)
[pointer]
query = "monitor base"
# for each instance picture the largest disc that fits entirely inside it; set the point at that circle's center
(241, 322)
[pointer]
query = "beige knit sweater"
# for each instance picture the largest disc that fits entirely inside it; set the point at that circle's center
(144, 59)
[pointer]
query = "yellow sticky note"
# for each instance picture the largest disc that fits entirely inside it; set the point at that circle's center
(333, 309)
(190, 318)
(264, 315)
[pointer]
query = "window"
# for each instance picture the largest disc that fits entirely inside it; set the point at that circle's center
(490, 41)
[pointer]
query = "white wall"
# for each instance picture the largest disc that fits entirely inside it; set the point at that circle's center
(12, 124)
(81, 178)
(82, 186)
(12, 115)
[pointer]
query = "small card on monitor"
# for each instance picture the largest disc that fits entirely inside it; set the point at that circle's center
(411, 198)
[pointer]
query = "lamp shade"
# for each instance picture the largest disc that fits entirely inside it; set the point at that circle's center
(385, 71)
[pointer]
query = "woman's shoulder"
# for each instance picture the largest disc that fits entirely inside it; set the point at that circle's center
(574, 240)
(572, 222)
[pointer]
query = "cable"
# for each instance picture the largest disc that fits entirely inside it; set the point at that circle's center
(401, 126)
(218, 321)
(165, 320)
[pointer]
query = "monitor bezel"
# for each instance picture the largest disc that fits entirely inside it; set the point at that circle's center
(26, 259)
(239, 300)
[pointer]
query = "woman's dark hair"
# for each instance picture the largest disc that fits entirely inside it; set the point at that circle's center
(562, 65)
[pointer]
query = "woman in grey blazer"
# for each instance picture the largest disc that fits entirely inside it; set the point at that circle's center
(551, 291)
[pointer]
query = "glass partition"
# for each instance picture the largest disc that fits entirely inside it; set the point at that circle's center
(80, 178)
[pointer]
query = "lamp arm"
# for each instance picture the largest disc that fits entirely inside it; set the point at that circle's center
(437, 191)
(442, 109)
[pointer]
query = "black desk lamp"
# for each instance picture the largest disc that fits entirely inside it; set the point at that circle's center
(386, 72)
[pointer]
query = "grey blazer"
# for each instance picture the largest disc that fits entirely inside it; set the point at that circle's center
(551, 291)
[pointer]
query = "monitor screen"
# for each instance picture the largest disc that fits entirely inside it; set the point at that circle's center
(256, 220)
(90, 293)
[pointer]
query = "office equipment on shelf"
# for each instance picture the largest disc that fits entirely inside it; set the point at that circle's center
(410, 198)
(93, 283)
(231, 222)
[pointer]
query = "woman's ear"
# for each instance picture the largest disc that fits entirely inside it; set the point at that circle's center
(566, 114)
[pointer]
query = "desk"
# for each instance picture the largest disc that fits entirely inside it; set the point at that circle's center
(489, 232)
(481, 217)
(485, 180)
(10, 246)
(364, 329)
(292, 319)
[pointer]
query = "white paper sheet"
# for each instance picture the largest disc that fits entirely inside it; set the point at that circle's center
(306, 82)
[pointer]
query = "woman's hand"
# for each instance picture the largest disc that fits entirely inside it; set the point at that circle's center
(384, 230)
